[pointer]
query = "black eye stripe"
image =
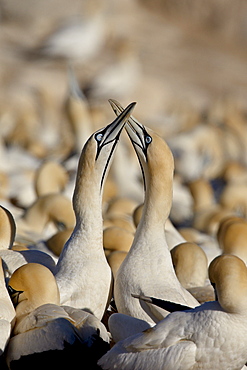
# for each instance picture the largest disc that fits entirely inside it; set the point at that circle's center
(101, 143)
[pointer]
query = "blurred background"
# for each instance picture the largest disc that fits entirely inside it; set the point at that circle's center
(167, 54)
(184, 62)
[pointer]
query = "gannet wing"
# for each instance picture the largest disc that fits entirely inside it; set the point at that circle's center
(165, 305)
(160, 347)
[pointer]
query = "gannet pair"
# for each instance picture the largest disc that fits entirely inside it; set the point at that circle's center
(211, 336)
(46, 333)
(147, 269)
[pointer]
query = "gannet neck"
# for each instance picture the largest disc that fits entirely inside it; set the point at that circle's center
(202, 193)
(158, 178)
(87, 197)
(151, 151)
(229, 274)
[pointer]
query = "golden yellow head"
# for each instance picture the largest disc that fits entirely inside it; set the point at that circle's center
(31, 286)
(229, 275)
(97, 153)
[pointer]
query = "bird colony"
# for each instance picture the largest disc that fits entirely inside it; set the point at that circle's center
(123, 240)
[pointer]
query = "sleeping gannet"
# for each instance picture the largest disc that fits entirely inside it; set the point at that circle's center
(50, 177)
(82, 272)
(191, 266)
(211, 336)
(46, 333)
(147, 268)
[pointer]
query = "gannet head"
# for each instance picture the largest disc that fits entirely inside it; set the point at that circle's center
(31, 286)
(190, 263)
(152, 151)
(228, 274)
(98, 151)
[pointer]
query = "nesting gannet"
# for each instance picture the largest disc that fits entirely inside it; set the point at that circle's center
(213, 335)
(232, 237)
(56, 242)
(51, 208)
(191, 266)
(46, 333)
(148, 265)
(51, 177)
(83, 274)
(7, 312)
(207, 213)
(124, 222)
(115, 260)
(117, 238)
(12, 259)
(198, 152)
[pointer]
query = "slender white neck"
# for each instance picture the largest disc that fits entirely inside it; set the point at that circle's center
(88, 211)
(157, 205)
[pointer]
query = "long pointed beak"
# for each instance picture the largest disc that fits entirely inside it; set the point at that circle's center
(135, 129)
(113, 130)
(110, 134)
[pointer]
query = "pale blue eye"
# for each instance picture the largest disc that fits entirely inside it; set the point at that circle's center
(148, 139)
(98, 137)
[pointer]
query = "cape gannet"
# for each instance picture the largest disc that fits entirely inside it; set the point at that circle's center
(46, 333)
(82, 273)
(148, 265)
(212, 335)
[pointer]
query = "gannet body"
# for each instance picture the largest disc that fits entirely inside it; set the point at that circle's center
(148, 265)
(44, 330)
(83, 274)
(212, 335)
(7, 312)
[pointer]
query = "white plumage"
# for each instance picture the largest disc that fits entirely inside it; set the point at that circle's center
(148, 267)
(45, 331)
(7, 312)
(82, 273)
(211, 336)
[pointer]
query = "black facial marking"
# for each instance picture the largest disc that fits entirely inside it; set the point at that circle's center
(14, 294)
